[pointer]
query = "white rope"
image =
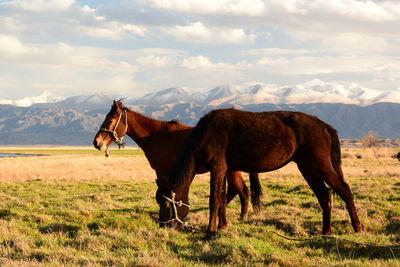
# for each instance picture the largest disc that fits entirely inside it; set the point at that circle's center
(174, 203)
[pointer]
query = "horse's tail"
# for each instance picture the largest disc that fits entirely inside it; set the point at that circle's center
(336, 158)
(256, 191)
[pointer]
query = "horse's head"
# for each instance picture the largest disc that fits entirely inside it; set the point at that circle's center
(114, 127)
(174, 206)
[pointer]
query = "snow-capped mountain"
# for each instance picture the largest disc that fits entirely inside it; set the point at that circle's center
(45, 97)
(168, 96)
(251, 93)
(221, 93)
(315, 91)
(81, 102)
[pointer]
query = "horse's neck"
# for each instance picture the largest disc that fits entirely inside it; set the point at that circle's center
(183, 172)
(183, 191)
(140, 126)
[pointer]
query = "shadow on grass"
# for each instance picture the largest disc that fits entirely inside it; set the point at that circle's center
(5, 214)
(199, 209)
(197, 250)
(283, 226)
(71, 230)
(215, 252)
(393, 228)
(122, 210)
(275, 203)
(348, 250)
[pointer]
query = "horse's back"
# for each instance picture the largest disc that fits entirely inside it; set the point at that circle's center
(260, 140)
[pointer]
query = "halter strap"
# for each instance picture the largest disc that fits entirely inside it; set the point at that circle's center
(174, 203)
(117, 140)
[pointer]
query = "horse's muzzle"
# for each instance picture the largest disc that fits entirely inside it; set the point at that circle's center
(96, 145)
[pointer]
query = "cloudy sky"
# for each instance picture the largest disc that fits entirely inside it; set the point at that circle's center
(132, 47)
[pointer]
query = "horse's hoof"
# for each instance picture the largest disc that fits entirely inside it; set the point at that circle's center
(223, 227)
(327, 232)
(243, 217)
(359, 228)
(211, 236)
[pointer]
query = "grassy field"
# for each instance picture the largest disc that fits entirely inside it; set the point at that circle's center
(75, 207)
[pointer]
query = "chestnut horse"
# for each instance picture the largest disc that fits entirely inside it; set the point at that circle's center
(161, 141)
(233, 140)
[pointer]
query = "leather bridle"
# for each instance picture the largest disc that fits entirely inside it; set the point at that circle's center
(117, 139)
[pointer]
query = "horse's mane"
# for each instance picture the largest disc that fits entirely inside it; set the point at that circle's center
(174, 121)
(185, 166)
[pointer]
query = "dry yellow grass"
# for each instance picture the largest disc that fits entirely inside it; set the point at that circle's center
(76, 167)
(88, 167)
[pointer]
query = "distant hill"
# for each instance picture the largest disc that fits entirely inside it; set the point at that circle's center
(33, 125)
(351, 109)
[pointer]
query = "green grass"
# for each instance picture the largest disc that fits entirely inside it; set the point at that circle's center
(114, 224)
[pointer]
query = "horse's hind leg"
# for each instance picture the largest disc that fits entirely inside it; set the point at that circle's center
(217, 199)
(335, 180)
(232, 191)
(236, 185)
(319, 188)
(222, 220)
(337, 183)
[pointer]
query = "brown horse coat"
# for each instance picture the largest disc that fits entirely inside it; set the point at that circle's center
(161, 142)
(233, 140)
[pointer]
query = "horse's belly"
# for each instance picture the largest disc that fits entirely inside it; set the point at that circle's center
(260, 159)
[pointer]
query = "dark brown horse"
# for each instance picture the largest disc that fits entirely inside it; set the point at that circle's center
(231, 140)
(161, 141)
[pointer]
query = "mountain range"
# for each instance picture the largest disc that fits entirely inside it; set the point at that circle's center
(314, 91)
(351, 109)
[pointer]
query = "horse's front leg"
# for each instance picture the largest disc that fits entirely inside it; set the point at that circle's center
(217, 200)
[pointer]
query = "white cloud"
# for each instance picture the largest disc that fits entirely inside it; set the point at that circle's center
(195, 32)
(230, 7)
(197, 62)
(338, 25)
(361, 10)
(11, 46)
(51, 44)
(198, 32)
(113, 30)
(62, 19)
(156, 61)
(43, 5)
(276, 51)
(62, 68)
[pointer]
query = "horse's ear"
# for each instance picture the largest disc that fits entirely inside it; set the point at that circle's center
(162, 182)
(117, 106)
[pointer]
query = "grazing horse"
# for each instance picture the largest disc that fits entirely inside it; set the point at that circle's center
(232, 140)
(161, 141)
